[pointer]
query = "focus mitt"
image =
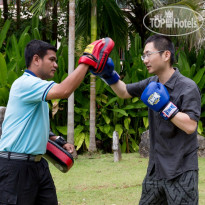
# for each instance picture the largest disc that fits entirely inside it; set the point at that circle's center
(96, 53)
(58, 156)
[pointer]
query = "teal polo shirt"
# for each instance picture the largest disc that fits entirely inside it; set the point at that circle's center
(25, 128)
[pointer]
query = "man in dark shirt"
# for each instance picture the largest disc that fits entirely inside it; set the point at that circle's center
(172, 174)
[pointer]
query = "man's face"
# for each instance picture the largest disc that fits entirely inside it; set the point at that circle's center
(48, 65)
(154, 61)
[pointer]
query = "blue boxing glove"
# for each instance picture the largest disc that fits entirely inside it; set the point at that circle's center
(156, 97)
(108, 74)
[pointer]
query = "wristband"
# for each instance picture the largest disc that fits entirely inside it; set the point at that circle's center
(60, 141)
(169, 111)
(110, 79)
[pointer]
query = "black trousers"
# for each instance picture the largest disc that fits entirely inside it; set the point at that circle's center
(182, 190)
(26, 183)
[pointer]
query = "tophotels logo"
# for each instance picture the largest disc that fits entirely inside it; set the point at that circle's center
(154, 98)
(173, 21)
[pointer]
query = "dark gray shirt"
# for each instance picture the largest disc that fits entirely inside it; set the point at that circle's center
(172, 151)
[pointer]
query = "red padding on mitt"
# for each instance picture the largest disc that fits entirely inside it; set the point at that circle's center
(96, 53)
(58, 156)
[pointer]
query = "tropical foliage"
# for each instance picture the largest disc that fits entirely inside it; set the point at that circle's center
(192, 65)
(12, 60)
(128, 117)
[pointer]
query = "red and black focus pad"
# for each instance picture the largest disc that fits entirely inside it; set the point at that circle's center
(58, 156)
(96, 53)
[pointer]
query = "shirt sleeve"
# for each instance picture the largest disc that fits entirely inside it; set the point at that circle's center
(136, 89)
(191, 102)
(32, 89)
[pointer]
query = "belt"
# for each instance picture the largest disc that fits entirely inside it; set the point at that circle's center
(21, 156)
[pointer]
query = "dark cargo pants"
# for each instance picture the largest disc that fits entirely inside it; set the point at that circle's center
(182, 190)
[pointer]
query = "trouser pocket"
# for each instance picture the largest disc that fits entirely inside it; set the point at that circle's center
(7, 198)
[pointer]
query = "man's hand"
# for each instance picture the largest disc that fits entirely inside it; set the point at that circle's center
(69, 147)
(63, 143)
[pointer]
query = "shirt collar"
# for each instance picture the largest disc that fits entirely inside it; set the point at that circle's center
(171, 82)
(30, 72)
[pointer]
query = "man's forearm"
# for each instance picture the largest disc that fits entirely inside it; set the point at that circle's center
(67, 86)
(120, 89)
(53, 138)
(183, 121)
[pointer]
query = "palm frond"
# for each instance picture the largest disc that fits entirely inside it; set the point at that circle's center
(38, 8)
(110, 21)
(83, 18)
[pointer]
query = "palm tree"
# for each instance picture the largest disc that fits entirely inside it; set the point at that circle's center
(6, 10)
(43, 7)
(2, 112)
(106, 19)
(71, 61)
(92, 144)
(110, 21)
(18, 13)
(55, 20)
(135, 11)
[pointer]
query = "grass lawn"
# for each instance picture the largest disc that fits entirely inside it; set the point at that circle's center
(97, 180)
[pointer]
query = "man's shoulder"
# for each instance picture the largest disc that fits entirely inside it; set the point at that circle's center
(187, 84)
(186, 81)
(153, 78)
(24, 83)
(27, 79)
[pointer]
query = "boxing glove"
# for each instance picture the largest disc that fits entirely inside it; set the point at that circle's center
(108, 75)
(156, 97)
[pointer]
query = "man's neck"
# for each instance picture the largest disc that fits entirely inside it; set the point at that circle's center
(166, 75)
(33, 70)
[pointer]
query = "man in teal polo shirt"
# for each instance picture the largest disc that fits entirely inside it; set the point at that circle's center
(25, 178)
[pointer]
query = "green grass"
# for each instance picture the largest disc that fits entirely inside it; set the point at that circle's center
(97, 180)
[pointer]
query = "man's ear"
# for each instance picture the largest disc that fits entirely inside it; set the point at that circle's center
(167, 55)
(36, 59)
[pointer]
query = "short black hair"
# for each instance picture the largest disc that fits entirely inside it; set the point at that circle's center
(162, 43)
(37, 47)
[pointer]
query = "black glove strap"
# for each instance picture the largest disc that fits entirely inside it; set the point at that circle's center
(60, 141)
(51, 134)
(176, 111)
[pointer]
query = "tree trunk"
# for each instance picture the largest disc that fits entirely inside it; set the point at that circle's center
(18, 13)
(2, 112)
(92, 145)
(67, 15)
(71, 64)
(116, 147)
(55, 21)
(6, 10)
(44, 30)
(45, 22)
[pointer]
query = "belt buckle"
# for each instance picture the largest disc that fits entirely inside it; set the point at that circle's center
(37, 158)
